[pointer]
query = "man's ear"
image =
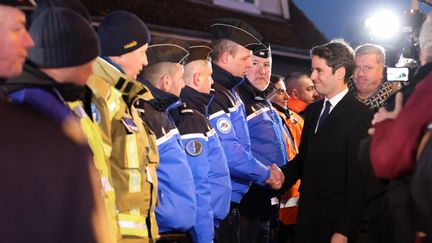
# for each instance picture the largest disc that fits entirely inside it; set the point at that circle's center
(196, 79)
(165, 82)
(340, 73)
(225, 57)
(294, 94)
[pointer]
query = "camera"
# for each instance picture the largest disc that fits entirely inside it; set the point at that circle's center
(396, 74)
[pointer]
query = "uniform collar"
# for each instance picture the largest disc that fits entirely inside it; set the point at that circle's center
(225, 78)
(197, 100)
(162, 100)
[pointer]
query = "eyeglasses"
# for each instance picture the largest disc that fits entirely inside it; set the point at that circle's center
(364, 69)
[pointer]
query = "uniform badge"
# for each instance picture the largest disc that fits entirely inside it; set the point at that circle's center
(130, 125)
(194, 148)
(95, 113)
(223, 125)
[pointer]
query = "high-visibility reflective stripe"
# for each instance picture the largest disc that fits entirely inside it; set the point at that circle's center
(167, 136)
(257, 113)
(114, 102)
(216, 114)
(106, 185)
(292, 202)
(133, 163)
(132, 225)
(194, 135)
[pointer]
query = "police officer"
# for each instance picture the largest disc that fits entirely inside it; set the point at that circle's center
(176, 211)
(231, 59)
(133, 156)
(202, 144)
(267, 144)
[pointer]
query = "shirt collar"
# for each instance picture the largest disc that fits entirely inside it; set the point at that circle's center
(335, 99)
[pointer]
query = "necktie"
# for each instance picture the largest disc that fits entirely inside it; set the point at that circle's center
(325, 113)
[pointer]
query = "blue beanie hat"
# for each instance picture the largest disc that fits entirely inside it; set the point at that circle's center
(62, 38)
(121, 32)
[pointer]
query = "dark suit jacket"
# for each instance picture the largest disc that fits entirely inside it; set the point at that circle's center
(333, 189)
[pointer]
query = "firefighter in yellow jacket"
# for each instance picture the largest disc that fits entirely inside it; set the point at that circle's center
(133, 153)
(293, 125)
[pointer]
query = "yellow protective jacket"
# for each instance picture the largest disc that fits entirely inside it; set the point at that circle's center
(97, 144)
(289, 200)
(133, 156)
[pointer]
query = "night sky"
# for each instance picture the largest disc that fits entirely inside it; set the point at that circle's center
(345, 18)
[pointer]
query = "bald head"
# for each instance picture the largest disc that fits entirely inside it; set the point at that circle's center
(197, 75)
(300, 86)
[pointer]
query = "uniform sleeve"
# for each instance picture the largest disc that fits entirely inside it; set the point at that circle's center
(395, 142)
(197, 151)
(241, 162)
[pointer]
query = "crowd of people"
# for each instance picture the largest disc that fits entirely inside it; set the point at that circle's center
(114, 135)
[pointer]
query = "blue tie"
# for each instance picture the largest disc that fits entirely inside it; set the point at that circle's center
(325, 113)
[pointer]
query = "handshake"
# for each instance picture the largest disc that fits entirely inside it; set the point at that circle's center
(276, 178)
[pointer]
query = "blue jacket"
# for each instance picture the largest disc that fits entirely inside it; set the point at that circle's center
(227, 116)
(176, 210)
(268, 145)
(265, 126)
(192, 127)
(41, 92)
(218, 175)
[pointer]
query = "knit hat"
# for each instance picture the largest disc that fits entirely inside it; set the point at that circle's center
(167, 50)
(62, 38)
(199, 51)
(121, 32)
(235, 30)
(74, 5)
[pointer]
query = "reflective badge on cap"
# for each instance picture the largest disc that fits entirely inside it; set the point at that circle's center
(194, 148)
(223, 125)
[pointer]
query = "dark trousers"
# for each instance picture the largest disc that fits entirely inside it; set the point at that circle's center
(254, 230)
(229, 228)
(286, 233)
(175, 237)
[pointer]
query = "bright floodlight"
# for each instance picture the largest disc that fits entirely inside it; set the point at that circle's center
(383, 25)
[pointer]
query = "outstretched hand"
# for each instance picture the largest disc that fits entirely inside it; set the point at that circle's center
(276, 178)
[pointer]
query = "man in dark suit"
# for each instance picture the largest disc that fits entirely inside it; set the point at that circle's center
(333, 190)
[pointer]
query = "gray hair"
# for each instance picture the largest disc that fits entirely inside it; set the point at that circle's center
(425, 38)
(379, 51)
(222, 45)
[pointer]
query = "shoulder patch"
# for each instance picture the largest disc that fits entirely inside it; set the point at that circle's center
(194, 148)
(130, 125)
(223, 125)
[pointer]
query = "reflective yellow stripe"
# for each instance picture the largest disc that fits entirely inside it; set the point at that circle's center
(132, 225)
(133, 163)
(114, 102)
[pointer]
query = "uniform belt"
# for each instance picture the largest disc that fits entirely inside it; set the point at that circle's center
(174, 235)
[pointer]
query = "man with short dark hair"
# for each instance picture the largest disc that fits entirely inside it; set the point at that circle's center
(301, 91)
(332, 190)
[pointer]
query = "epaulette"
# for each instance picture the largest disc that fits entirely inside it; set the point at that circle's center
(184, 109)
